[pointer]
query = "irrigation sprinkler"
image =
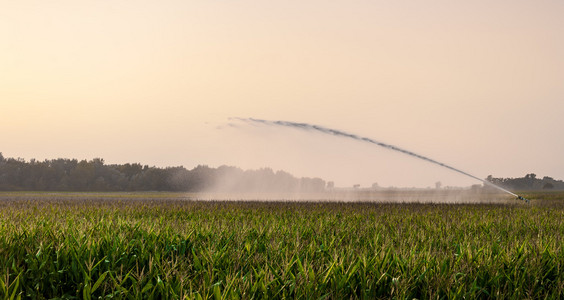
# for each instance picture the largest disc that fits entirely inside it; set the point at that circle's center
(524, 199)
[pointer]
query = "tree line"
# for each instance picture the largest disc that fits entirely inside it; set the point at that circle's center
(528, 182)
(94, 175)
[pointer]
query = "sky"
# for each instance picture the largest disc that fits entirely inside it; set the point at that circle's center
(478, 85)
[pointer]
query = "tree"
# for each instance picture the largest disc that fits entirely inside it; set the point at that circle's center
(94, 175)
(548, 186)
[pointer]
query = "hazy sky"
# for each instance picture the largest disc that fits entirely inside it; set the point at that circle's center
(475, 84)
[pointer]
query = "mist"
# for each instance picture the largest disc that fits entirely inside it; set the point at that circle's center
(345, 162)
(367, 195)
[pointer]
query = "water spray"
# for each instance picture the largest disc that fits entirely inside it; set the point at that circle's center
(325, 130)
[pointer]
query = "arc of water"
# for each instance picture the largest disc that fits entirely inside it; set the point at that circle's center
(325, 130)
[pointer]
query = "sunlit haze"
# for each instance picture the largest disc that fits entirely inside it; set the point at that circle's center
(478, 85)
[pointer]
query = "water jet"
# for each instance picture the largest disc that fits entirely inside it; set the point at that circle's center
(335, 132)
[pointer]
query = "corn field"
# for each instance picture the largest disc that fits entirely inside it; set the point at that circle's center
(90, 247)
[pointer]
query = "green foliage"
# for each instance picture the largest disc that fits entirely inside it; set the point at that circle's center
(94, 175)
(56, 247)
(529, 182)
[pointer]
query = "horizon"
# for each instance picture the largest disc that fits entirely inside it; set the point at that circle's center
(329, 185)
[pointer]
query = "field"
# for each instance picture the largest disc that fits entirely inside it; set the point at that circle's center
(165, 246)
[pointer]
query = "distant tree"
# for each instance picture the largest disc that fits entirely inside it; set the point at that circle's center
(130, 170)
(528, 182)
(438, 185)
(330, 185)
(548, 186)
(375, 186)
(94, 175)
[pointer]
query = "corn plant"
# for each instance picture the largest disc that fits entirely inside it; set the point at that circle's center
(124, 247)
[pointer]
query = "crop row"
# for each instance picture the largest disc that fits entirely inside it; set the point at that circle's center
(81, 248)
